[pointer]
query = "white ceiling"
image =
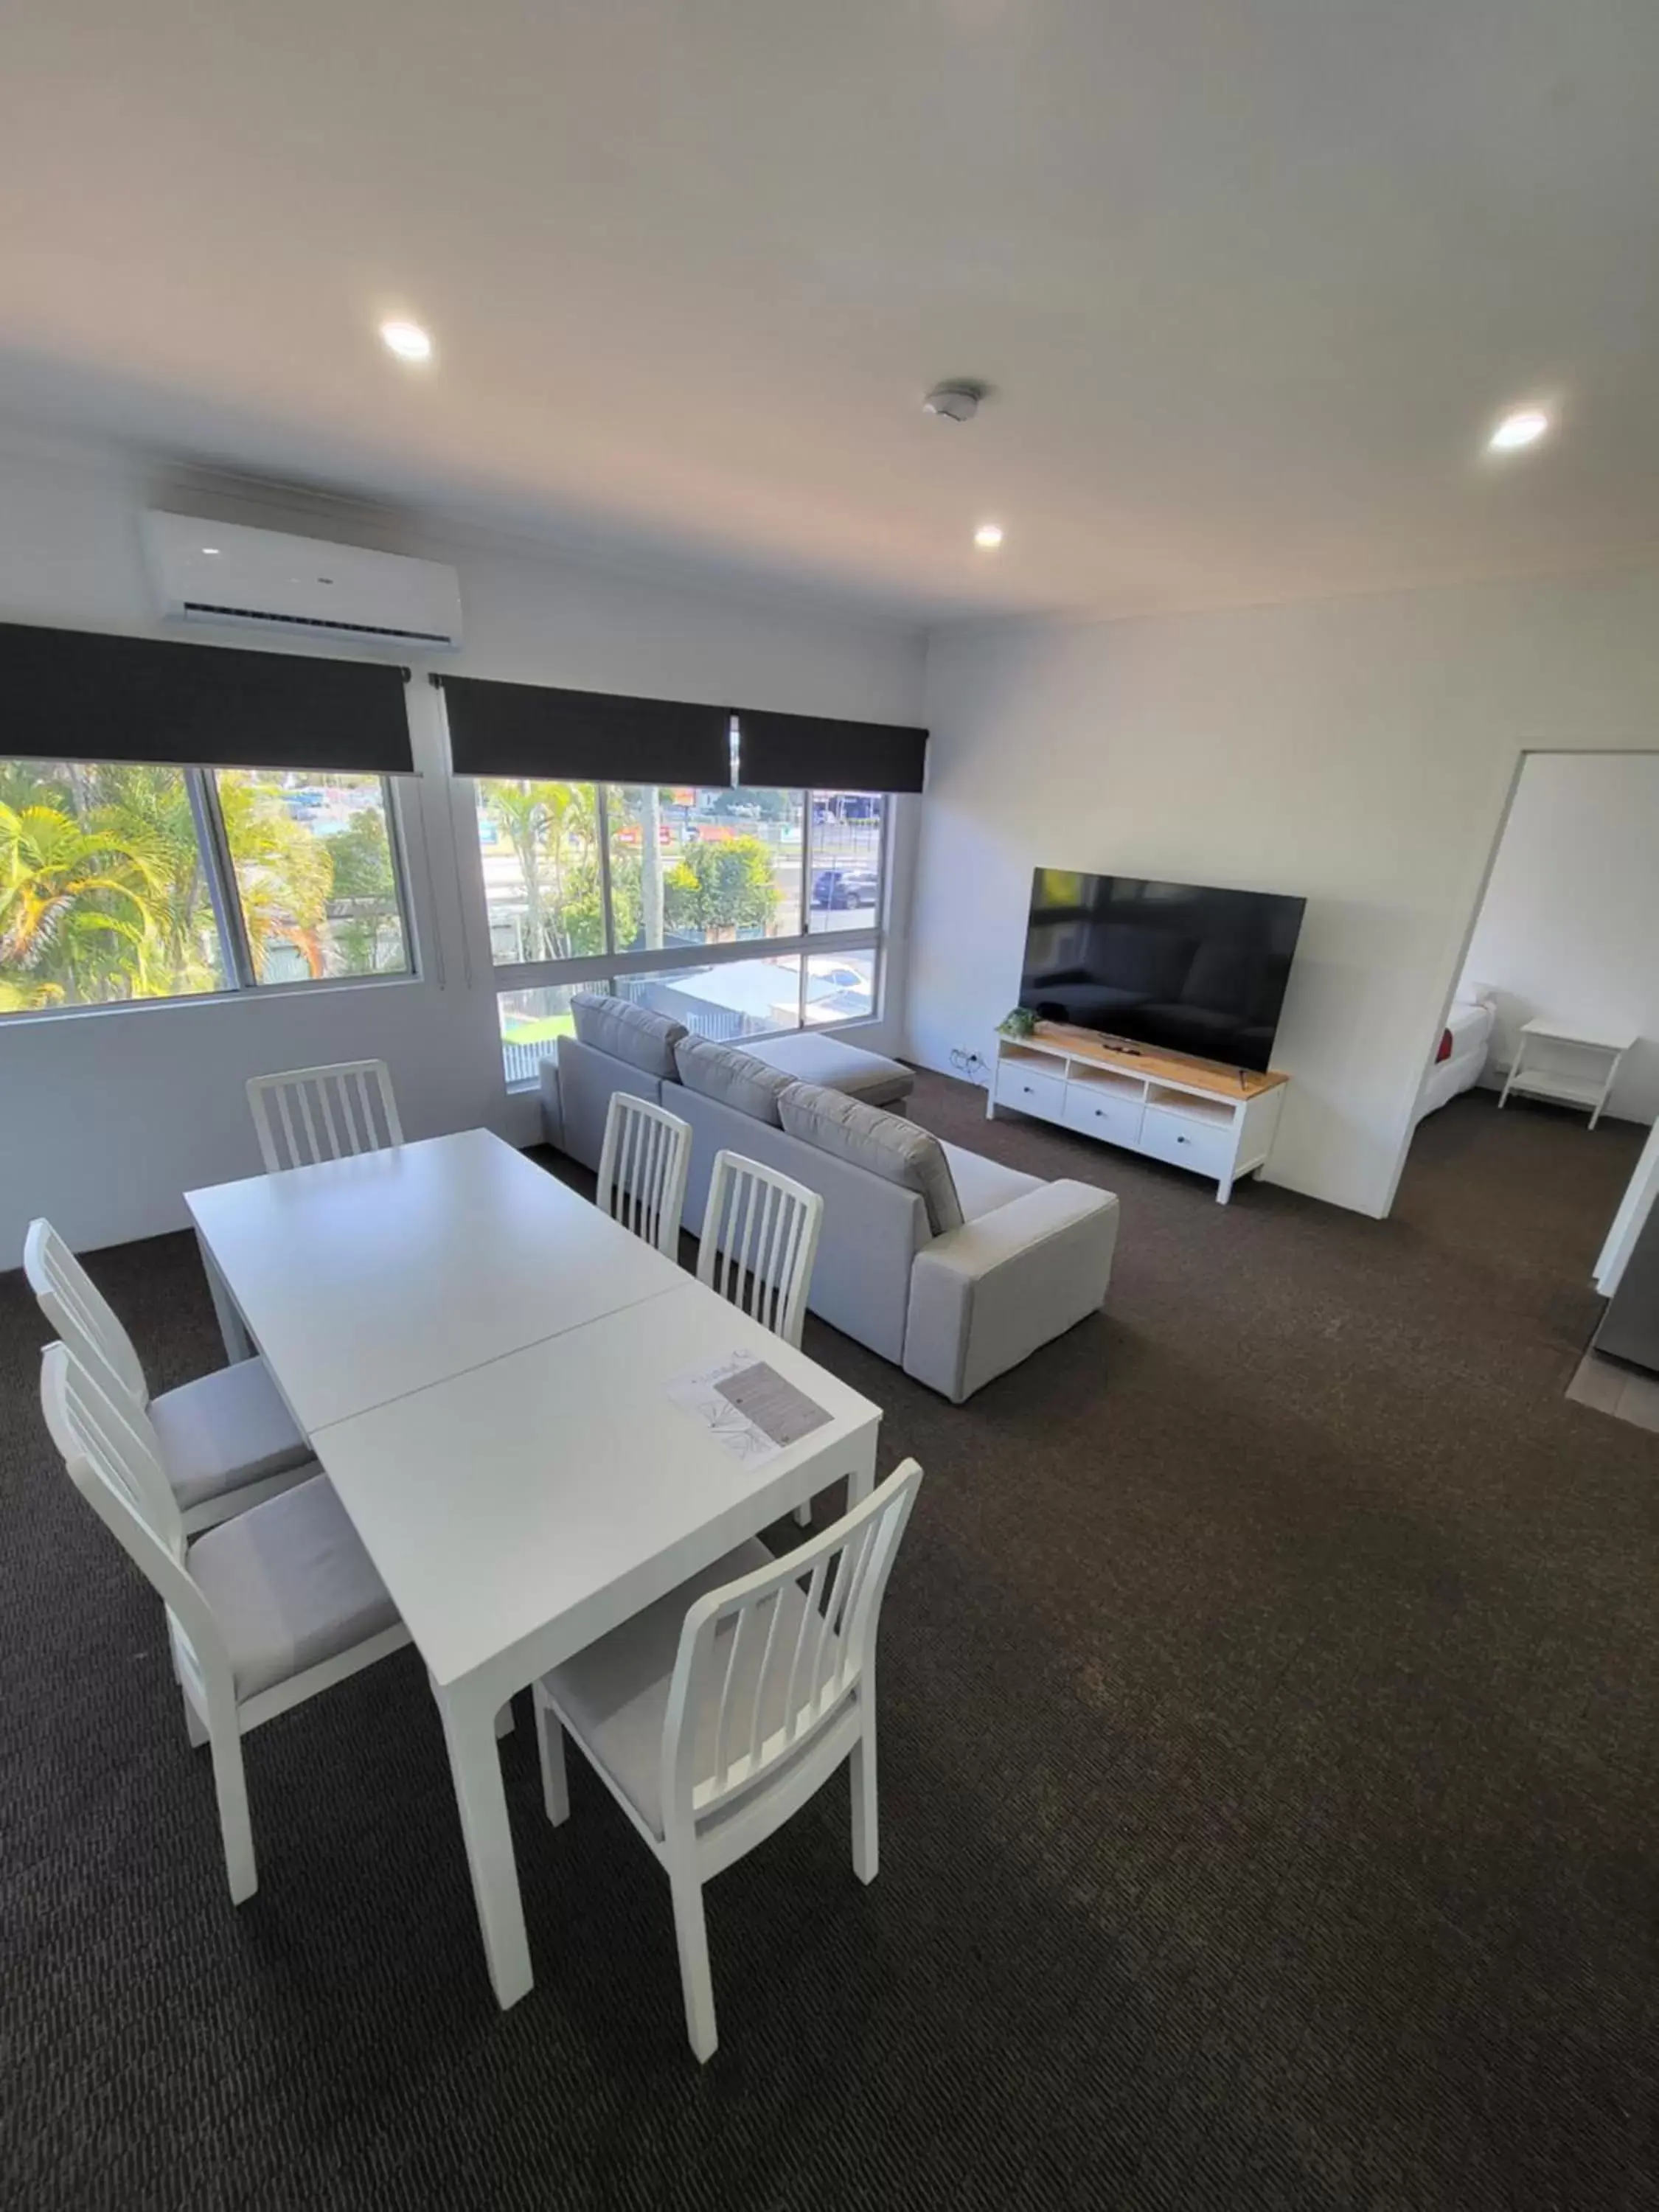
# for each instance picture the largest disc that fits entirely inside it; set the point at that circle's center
(1252, 277)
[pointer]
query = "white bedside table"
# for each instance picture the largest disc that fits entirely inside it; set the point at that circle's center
(1603, 1049)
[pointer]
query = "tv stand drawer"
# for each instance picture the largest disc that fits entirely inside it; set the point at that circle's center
(1094, 1111)
(1029, 1091)
(1185, 1142)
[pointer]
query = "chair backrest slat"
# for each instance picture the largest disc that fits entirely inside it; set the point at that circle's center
(108, 1450)
(774, 1684)
(314, 1119)
(643, 1165)
(87, 1413)
(762, 1674)
(343, 1085)
(78, 1310)
(760, 1236)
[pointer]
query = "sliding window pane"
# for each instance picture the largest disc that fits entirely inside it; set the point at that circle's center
(846, 859)
(841, 986)
(703, 867)
(316, 874)
(736, 999)
(103, 891)
(532, 1023)
(539, 842)
(647, 827)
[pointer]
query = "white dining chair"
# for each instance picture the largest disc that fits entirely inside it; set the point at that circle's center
(312, 1114)
(264, 1612)
(760, 1237)
(643, 1165)
(714, 1715)
(226, 1441)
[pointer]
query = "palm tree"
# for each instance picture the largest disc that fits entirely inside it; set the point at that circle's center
(77, 901)
(539, 818)
(148, 809)
(284, 872)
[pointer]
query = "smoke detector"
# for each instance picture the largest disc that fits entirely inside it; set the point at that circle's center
(955, 401)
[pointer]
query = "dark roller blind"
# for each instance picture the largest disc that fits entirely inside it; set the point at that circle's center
(583, 737)
(76, 695)
(806, 752)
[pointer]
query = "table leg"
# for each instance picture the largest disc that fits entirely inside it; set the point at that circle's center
(475, 1764)
(861, 1477)
(237, 1343)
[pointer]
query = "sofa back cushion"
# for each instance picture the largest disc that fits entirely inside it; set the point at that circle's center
(735, 1079)
(628, 1033)
(884, 1144)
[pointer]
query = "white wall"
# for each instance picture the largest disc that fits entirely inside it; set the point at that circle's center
(1569, 927)
(106, 1117)
(1359, 752)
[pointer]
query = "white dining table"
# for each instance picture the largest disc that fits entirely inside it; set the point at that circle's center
(362, 1279)
(511, 1457)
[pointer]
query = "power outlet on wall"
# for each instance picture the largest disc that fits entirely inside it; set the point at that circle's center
(970, 1064)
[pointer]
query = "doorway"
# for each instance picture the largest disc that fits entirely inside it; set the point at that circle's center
(1557, 1004)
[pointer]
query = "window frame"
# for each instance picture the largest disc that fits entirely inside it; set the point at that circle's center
(224, 897)
(602, 968)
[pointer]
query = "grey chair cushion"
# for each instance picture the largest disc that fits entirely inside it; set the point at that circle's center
(614, 1696)
(627, 1032)
(736, 1078)
(886, 1145)
(290, 1585)
(224, 1431)
(813, 1057)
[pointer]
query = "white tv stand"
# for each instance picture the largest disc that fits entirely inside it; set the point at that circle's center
(1219, 1121)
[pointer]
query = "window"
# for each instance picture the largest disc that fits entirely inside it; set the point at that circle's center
(530, 1022)
(122, 882)
(841, 986)
(621, 888)
(543, 887)
(847, 878)
(724, 1002)
(316, 884)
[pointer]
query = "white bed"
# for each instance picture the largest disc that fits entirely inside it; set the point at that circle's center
(1469, 1025)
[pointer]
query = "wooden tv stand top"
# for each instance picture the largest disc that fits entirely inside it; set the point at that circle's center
(1155, 1066)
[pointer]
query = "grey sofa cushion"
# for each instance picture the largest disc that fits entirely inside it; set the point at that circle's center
(735, 1079)
(983, 1185)
(838, 1065)
(888, 1146)
(627, 1032)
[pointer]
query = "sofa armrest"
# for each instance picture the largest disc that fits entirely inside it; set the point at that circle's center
(986, 1296)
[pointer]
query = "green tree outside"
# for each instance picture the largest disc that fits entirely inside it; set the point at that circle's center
(718, 890)
(104, 894)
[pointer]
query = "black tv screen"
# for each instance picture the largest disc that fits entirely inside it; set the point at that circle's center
(1182, 966)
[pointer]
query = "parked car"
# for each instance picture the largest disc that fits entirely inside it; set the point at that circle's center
(846, 887)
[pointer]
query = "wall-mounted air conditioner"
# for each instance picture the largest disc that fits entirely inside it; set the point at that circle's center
(221, 572)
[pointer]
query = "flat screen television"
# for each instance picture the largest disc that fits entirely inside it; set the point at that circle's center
(1182, 966)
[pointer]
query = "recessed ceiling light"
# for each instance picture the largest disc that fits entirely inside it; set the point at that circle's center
(213, 549)
(407, 340)
(1524, 428)
(988, 536)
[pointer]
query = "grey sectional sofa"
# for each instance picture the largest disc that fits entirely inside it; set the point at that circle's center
(951, 1265)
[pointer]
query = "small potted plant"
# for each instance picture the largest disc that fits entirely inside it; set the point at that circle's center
(1020, 1024)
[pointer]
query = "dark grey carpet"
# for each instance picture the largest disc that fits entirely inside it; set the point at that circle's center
(1271, 1707)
